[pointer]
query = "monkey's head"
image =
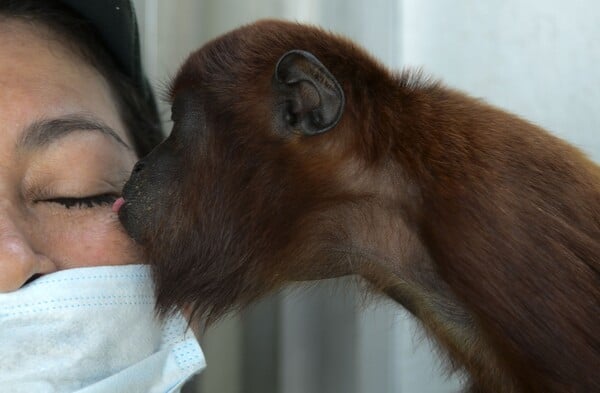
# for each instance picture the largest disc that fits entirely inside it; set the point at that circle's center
(267, 170)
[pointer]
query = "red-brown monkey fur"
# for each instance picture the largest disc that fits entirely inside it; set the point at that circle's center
(295, 155)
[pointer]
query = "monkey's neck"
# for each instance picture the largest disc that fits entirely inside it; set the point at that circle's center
(505, 212)
(419, 289)
(388, 250)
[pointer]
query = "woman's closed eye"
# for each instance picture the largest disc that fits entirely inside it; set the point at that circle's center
(85, 202)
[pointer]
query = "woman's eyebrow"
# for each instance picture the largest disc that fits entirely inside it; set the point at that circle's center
(44, 132)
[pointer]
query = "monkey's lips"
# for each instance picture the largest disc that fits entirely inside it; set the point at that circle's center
(118, 204)
(132, 210)
(122, 208)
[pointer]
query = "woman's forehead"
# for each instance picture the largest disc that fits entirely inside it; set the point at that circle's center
(40, 78)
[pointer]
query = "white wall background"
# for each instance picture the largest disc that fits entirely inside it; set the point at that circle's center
(537, 58)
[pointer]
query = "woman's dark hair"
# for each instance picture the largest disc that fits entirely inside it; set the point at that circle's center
(139, 114)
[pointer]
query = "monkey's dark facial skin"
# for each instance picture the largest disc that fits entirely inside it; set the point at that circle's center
(295, 155)
(153, 194)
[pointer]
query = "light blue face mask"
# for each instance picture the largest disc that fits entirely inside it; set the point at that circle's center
(92, 330)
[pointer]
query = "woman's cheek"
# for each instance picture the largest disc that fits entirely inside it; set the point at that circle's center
(93, 240)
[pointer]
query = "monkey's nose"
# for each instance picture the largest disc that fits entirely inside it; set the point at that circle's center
(138, 167)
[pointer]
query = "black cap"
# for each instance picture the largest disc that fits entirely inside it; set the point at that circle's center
(116, 23)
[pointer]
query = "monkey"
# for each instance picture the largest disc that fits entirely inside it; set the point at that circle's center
(295, 155)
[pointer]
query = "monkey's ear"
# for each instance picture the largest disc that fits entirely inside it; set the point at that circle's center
(314, 100)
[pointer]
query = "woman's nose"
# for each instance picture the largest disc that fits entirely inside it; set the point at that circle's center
(18, 260)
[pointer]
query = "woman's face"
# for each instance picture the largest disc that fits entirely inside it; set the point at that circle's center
(64, 156)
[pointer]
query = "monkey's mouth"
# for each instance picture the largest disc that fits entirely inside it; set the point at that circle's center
(118, 204)
(128, 217)
(117, 208)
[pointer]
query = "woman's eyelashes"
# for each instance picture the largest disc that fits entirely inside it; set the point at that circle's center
(85, 202)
